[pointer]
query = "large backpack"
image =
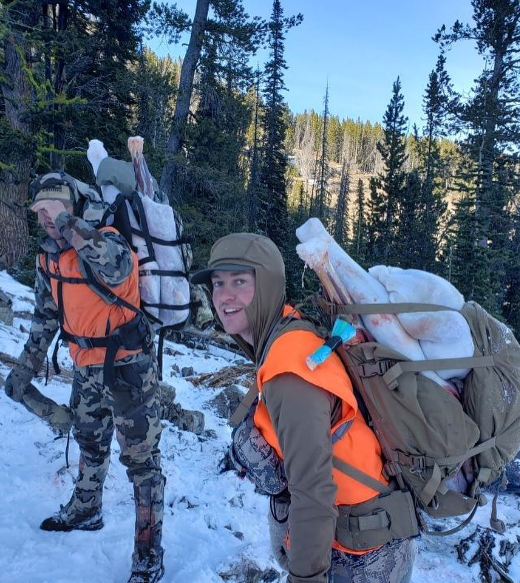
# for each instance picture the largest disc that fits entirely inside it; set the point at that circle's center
(129, 214)
(426, 434)
(154, 230)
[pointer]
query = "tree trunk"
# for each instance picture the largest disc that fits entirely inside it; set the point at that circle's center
(19, 157)
(182, 106)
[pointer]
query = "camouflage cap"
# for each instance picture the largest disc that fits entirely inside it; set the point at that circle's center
(53, 186)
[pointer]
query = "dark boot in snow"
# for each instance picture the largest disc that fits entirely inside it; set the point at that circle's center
(70, 518)
(147, 566)
(147, 559)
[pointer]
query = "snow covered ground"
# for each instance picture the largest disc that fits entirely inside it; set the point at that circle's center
(215, 524)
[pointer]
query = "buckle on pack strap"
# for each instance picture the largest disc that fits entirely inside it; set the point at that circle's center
(371, 369)
(416, 463)
(83, 342)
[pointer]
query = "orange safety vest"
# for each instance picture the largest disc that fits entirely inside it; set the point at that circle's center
(357, 446)
(84, 312)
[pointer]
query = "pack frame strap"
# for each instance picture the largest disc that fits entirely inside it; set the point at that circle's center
(391, 376)
(240, 413)
(104, 292)
(165, 272)
(112, 209)
(71, 280)
(453, 460)
(167, 306)
(61, 321)
(360, 476)
(158, 241)
(460, 526)
(333, 309)
(145, 234)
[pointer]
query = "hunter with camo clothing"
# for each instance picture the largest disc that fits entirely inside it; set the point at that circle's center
(118, 390)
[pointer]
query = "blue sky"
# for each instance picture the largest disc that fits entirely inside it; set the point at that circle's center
(360, 47)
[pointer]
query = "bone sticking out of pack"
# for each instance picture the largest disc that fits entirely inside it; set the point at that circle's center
(142, 174)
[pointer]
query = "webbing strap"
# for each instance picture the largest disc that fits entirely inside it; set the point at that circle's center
(340, 431)
(243, 407)
(165, 272)
(460, 526)
(157, 241)
(136, 199)
(72, 280)
(428, 492)
(453, 460)
(360, 476)
(436, 364)
(495, 523)
(104, 292)
(360, 309)
(167, 306)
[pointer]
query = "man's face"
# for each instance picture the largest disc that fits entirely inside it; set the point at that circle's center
(232, 292)
(48, 211)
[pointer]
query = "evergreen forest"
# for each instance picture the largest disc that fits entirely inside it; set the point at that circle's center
(231, 156)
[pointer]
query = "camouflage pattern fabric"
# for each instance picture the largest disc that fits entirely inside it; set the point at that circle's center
(131, 407)
(252, 455)
(109, 257)
(106, 253)
(392, 563)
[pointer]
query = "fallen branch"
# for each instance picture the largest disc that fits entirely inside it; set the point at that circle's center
(242, 374)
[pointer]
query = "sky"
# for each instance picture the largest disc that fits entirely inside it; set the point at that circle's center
(360, 48)
(215, 524)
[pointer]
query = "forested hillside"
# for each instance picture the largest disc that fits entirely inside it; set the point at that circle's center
(442, 195)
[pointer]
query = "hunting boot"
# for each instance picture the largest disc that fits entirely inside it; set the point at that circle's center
(147, 559)
(74, 516)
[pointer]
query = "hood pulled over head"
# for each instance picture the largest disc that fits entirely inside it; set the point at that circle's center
(250, 251)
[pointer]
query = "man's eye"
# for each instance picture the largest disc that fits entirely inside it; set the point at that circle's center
(216, 283)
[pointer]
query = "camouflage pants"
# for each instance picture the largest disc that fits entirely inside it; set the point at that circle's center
(131, 407)
(392, 563)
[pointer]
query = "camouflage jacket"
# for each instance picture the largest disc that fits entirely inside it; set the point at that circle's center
(106, 253)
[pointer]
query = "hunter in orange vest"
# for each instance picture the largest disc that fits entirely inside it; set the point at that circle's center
(299, 422)
(87, 287)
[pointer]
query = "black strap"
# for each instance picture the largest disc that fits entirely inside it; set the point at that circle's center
(160, 345)
(106, 293)
(165, 272)
(167, 306)
(73, 280)
(157, 240)
(145, 234)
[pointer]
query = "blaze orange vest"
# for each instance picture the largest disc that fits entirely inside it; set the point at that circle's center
(84, 312)
(357, 446)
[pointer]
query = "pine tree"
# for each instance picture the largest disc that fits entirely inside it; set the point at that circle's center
(341, 219)
(321, 198)
(376, 223)
(392, 180)
(490, 119)
(359, 231)
(254, 187)
(274, 157)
